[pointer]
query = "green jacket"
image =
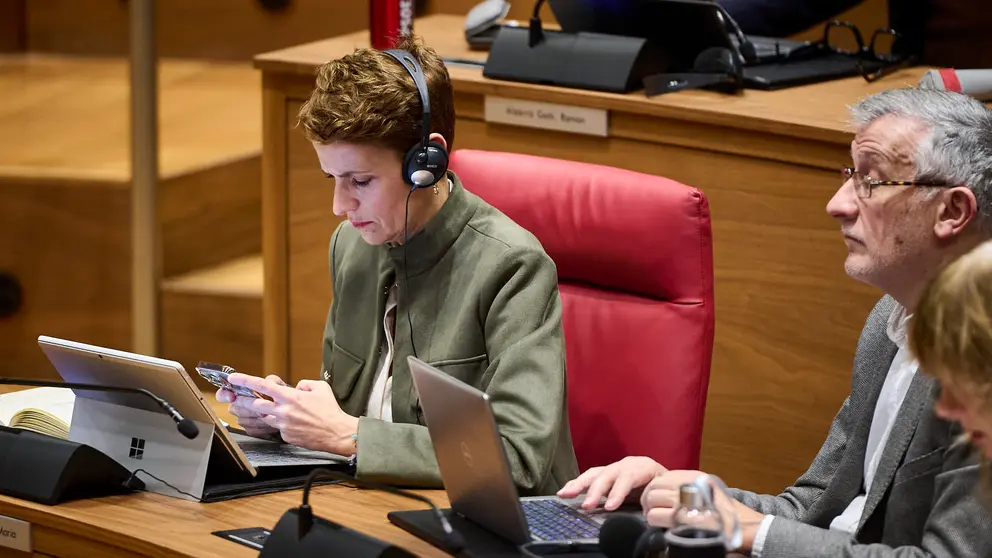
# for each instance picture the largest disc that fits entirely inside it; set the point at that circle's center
(485, 308)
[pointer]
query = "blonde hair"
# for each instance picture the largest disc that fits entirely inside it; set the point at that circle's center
(951, 333)
(368, 97)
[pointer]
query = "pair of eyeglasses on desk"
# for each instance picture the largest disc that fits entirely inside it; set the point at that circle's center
(875, 59)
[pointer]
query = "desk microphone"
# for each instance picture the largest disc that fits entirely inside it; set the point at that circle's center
(454, 542)
(299, 534)
(186, 427)
(628, 536)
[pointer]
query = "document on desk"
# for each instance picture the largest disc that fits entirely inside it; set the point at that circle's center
(269, 453)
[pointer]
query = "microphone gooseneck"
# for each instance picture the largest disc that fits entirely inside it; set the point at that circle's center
(185, 426)
(745, 48)
(536, 32)
(454, 542)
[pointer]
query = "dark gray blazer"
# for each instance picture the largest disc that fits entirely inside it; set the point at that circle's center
(923, 501)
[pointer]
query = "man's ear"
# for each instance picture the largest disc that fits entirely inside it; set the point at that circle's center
(439, 139)
(957, 208)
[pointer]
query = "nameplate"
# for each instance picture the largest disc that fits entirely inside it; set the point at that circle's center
(548, 116)
(15, 534)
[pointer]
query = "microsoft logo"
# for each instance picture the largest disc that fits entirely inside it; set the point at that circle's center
(137, 448)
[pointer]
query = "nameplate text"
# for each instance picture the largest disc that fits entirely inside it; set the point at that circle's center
(15, 534)
(549, 116)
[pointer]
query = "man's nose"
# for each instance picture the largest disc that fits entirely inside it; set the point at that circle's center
(844, 204)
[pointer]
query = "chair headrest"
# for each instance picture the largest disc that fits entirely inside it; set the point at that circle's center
(604, 226)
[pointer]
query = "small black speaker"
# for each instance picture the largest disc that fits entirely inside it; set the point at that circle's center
(50, 470)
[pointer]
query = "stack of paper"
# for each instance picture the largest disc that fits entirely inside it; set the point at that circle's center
(44, 410)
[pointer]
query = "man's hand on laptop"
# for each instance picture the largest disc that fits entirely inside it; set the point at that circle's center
(614, 481)
(661, 497)
(250, 420)
(307, 416)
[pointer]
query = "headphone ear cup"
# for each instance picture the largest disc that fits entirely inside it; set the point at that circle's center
(425, 167)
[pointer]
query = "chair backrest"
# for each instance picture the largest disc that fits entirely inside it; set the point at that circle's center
(635, 267)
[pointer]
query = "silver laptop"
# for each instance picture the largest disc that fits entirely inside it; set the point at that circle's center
(79, 362)
(476, 472)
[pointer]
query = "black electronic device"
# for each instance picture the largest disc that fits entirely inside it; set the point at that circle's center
(51, 470)
(300, 533)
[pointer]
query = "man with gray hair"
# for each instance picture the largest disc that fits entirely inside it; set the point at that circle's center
(890, 479)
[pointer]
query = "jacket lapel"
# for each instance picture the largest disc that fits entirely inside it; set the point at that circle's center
(910, 413)
(870, 372)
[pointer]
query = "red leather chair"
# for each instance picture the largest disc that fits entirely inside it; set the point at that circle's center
(635, 267)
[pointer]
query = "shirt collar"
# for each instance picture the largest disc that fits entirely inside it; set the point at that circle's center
(896, 327)
(432, 242)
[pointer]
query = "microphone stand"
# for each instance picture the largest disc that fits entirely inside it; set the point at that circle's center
(454, 542)
(536, 30)
(301, 534)
(185, 426)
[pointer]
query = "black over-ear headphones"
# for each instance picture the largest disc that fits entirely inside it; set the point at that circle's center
(427, 162)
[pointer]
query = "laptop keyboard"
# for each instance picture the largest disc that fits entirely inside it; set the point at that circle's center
(553, 520)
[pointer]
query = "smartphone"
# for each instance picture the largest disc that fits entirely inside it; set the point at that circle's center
(217, 375)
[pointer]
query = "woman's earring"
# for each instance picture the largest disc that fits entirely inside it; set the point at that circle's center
(435, 189)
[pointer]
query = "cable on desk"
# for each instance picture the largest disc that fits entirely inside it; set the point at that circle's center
(134, 475)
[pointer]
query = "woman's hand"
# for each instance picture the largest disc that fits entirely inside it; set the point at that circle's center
(248, 419)
(307, 415)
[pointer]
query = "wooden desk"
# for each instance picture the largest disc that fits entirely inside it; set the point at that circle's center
(787, 316)
(146, 524)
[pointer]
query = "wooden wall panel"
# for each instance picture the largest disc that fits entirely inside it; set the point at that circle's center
(217, 29)
(211, 216)
(69, 246)
(12, 25)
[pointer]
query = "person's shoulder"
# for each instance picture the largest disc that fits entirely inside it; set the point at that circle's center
(501, 235)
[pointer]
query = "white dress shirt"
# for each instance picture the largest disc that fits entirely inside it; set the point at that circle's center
(381, 400)
(897, 381)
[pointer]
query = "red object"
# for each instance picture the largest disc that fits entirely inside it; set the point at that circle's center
(950, 79)
(389, 20)
(635, 267)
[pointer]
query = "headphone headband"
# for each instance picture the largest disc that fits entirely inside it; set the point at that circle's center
(412, 66)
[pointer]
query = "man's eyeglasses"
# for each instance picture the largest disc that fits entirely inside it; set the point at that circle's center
(876, 59)
(863, 185)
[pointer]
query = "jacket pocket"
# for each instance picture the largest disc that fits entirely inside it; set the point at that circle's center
(345, 370)
(468, 370)
(920, 467)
